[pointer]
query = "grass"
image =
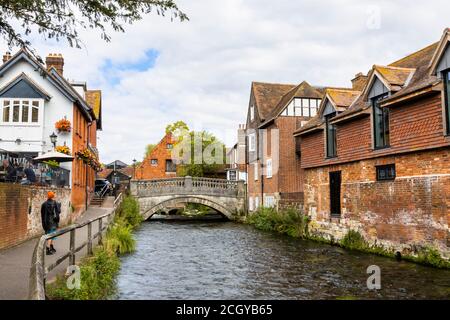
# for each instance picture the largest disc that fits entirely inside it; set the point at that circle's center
(98, 272)
(293, 223)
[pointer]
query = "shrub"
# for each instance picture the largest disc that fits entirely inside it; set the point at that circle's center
(97, 279)
(289, 221)
(430, 256)
(129, 212)
(119, 239)
(353, 240)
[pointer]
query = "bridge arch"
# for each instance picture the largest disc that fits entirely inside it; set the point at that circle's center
(172, 202)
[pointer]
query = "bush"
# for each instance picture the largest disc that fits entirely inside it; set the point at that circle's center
(431, 257)
(129, 212)
(289, 221)
(119, 239)
(97, 279)
(353, 240)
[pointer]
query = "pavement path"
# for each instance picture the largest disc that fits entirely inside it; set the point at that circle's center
(15, 262)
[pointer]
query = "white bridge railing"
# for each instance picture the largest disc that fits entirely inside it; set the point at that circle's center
(187, 185)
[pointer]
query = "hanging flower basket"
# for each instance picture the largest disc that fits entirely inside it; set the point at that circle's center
(63, 125)
(88, 157)
(63, 149)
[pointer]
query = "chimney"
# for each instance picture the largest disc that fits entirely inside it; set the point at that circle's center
(359, 82)
(56, 61)
(6, 56)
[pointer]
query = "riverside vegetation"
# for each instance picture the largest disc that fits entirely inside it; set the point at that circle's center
(98, 272)
(294, 223)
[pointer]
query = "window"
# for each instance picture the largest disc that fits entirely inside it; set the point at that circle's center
(252, 113)
(170, 166)
(269, 201)
(169, 146)
(301, 107)
(251, 204)
(255, 168)
(19, 111)
(269, 168)
(386, 172)
(256, 203)
(154, 162)
(232, 175)
(6, 109)
(446, 77)
(331, 141)
(252, 142)
(380, 124)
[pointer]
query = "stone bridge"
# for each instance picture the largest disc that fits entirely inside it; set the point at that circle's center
(226, 197)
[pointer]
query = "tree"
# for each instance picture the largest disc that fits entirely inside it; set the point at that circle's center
(62, 19)
(177, 128)
(199, 154)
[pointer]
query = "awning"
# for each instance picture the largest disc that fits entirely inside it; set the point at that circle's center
(55, 156)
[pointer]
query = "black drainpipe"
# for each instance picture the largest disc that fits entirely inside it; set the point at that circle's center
(86, 178)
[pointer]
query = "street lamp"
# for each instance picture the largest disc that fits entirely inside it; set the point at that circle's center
(134, 166)
(53, 138)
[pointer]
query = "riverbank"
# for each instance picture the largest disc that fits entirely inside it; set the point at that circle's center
(98, 272)
(293, 223)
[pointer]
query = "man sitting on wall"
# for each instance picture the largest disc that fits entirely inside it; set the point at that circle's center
(50, 211)
(29, 174)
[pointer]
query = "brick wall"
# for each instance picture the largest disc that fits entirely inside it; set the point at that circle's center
(413, 127)
(20, 212)
(404, 214)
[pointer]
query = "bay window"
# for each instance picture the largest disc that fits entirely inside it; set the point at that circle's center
(446, 77)
(331, 141)
(380, 124)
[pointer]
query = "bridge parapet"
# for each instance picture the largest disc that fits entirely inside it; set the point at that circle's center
(188, 186)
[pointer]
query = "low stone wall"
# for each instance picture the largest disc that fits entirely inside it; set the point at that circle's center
(20, 212)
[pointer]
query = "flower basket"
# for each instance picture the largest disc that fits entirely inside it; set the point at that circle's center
(63, 125)
(89, 158)
(63, 149)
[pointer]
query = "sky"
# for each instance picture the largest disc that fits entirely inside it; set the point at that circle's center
(200, 71)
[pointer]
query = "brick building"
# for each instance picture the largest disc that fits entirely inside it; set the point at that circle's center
(159, 163)
(275, 111)
(376, 158)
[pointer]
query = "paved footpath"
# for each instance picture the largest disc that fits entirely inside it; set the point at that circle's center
(15, 262)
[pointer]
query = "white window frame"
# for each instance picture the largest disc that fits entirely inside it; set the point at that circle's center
(252, 142)
(251, 204)
(269, 168)
(40, 103)
(252, 112)
(269, 201)
(256, 203)
(255, 170)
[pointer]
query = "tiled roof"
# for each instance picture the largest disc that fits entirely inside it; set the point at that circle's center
(395, 76)
(94, 98)
(268, 95)
(128, 171)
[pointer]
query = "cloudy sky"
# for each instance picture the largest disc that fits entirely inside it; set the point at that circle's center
(200, 71)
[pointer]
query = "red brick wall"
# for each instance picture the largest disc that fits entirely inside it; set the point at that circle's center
(147, 171)
(404, 214)
(20, 212)
(14, 204)
(413, 127)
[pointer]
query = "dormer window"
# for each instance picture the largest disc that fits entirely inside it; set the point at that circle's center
(446, 78)
(380, 123)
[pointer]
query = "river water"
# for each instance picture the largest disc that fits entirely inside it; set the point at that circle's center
(226, 260)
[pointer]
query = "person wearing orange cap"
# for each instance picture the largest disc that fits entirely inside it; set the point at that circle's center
(50, 211)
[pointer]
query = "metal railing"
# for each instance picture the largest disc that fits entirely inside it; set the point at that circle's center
(186, 185)
(39, 272)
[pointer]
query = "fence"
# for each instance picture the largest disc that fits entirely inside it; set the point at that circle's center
(39, 272)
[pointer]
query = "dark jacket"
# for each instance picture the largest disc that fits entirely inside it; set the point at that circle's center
(30, 175)
(50, 211)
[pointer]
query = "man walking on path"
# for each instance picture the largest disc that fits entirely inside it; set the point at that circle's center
(50, 211)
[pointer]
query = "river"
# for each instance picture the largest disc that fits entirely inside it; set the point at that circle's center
(226, 260)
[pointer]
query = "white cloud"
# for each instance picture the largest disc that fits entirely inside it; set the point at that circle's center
(205, 66)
